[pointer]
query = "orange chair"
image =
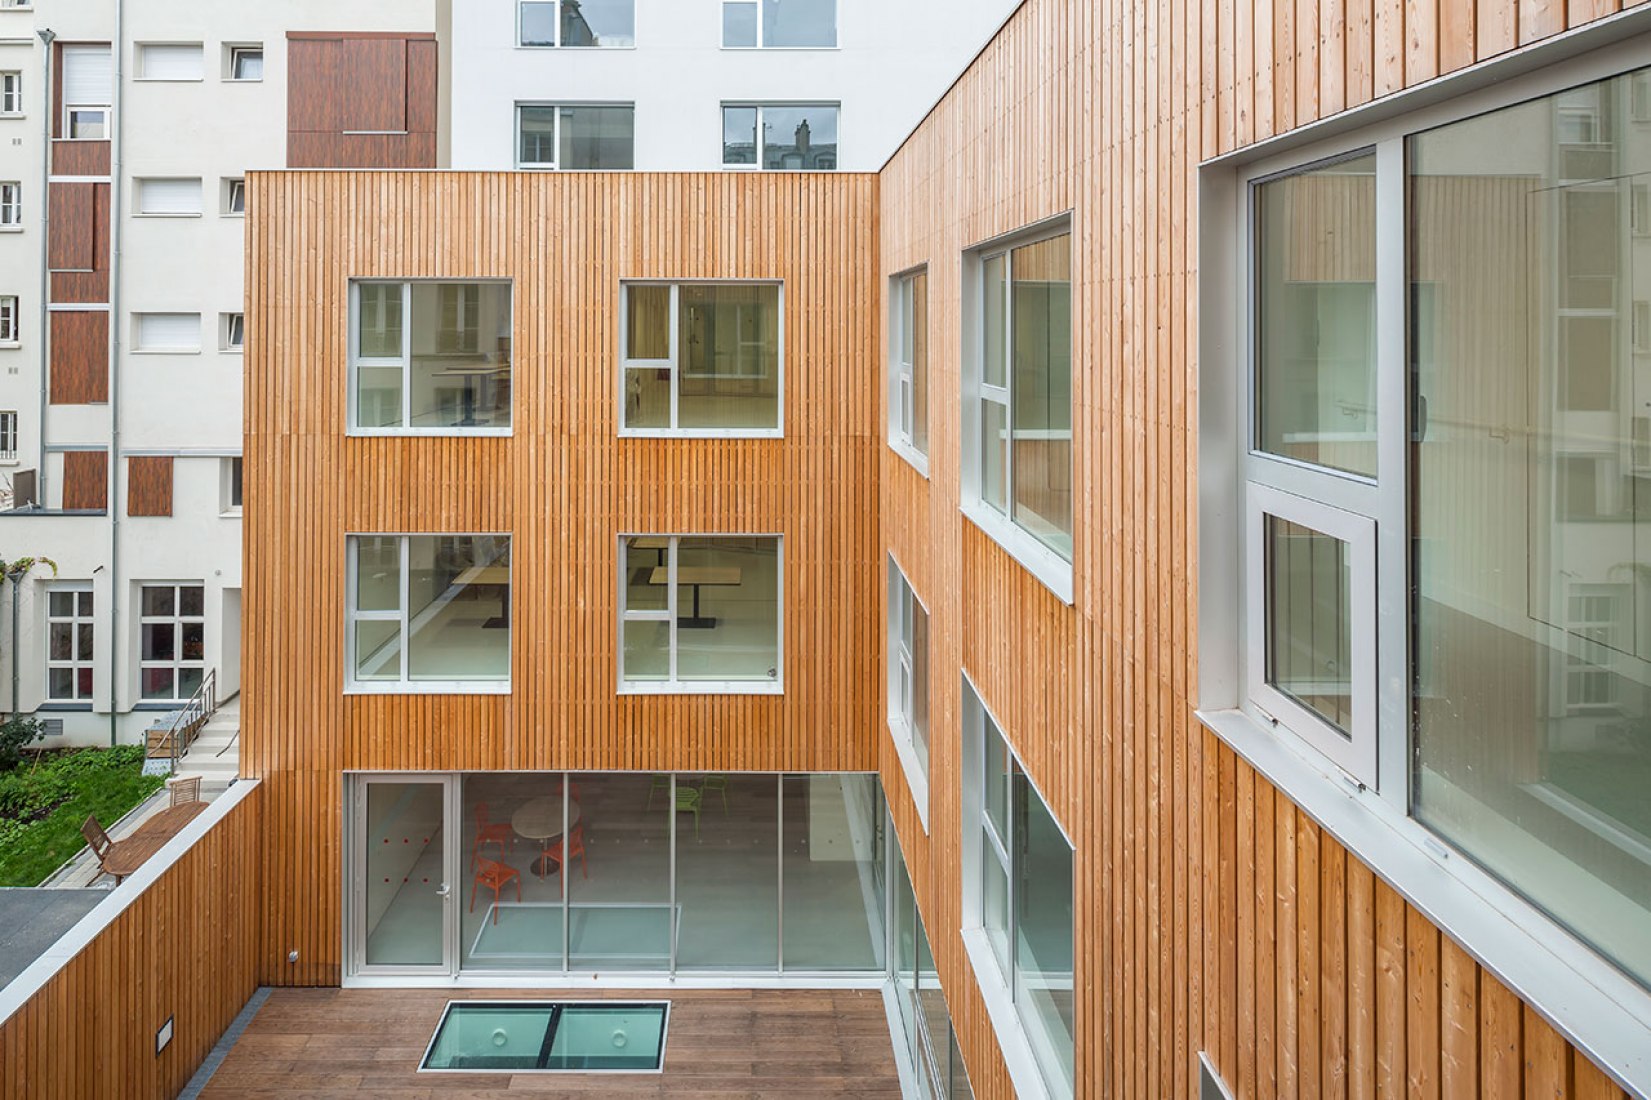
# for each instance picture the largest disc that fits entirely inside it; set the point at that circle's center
(576, 849)
(495, 875)
(499, 833)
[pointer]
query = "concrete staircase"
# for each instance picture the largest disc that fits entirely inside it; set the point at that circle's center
(203, 759)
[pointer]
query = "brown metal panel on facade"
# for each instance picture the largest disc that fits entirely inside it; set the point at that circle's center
(85, 480)
(80, 158)
(149, 485)
(79, 356)
(361, 100)
(375, 77)
(73, 230)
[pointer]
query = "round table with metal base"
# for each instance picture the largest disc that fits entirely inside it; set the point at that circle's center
(540, 819)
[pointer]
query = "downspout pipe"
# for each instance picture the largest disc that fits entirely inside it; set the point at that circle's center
(47, 37)
(112, 504)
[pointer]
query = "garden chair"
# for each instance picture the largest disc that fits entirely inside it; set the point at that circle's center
(185, 791)
(490, 832)
(717, 782)
(575, 850)
(687, 802)
(495, 876)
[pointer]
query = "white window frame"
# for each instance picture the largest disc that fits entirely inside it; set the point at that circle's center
(232, 332)
(227, 504)
(1596, 1006)
(1054, 571)
(8, 436)
(761, 43)
(140, 348)
(902, 372)
(233, 197)
(554, 164)
(902, 688)
(405, 360)
(671, 364)
(11, 205)
(10, 321)
(178, 663)
(1024, 1051)
(233, 52)
(11, 94)
(761, 108)
(145, 196)
(142, 67)
(404, 685)
(669, 614)
(557, 45)
(75, 620)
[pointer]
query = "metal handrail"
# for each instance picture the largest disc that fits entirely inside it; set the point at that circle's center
(203, 703)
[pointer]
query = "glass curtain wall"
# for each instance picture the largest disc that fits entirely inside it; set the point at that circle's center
(925, 1020)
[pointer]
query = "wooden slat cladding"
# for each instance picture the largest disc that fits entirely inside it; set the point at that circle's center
(79, 357)
(149, 485)
(85, 480)
(78, 243)
(185, 949)
(563, 485)
(80, 158)
(361, 100)
(1210, 913)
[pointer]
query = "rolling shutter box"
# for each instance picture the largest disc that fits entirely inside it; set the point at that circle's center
(169, 62)
(88, 75)
(168, 331)
(169, 196)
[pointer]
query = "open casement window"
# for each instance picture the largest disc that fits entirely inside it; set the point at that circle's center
(909, 366)
(592, 136)
(701, 359)
(429, 613)
(908, 686)
(431, 358)
(700, 614)
(576, 24)
(70, 645)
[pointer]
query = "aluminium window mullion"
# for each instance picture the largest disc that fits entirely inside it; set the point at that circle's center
(1009, 508)
(406, 355)
(675, 339)
(1391, 651)
(404, 556)
(670, 605)
(567, 861)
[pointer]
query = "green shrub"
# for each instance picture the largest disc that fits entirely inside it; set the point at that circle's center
(43, 805)
(16, 732)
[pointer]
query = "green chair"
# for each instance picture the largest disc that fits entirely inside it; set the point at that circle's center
(660, 783)
(687, 801)
(715, 781)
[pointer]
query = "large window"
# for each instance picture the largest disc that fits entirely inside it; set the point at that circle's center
(1017, 387)
(429, 613)
(909, 365)
(70, 646)
(172, 630)
(909, 683)
(776, 24)
(1442, 552)
(88, 86)
(700, 613)
(576, 23)
(1018, 899)
(11, 93)
(800, 137)
(430, 357)
(588, 136)
(701, 358)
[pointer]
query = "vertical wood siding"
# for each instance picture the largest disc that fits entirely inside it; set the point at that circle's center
(1210, 913)
(185, 948)
(563, 485)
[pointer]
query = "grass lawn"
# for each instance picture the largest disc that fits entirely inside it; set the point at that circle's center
(44, 800)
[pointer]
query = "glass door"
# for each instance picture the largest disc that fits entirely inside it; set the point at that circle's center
(402, 890)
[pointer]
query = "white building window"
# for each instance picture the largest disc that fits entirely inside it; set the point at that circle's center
(9, 320)
(780, 136)
(169, 197)
(908, 686)
(70, 644)
(593, 136)
(428, 613)
(172, 638)
(576, 24)
(8, 436)
(233, 196)
(1017, 399)
(11, 93)
(244, 62)
(230, 487)
(700, 613)
(88, 86)
(166, 332)
(170, 61)
(231, 331)
(779, 24)
(1017, 906)
(11, 205)
(909, 366)
(430, 357)
(701, 358)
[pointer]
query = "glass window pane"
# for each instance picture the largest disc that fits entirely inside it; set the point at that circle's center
(830, 833)
(1043, 988)
(83, 682)
(159, 600)
(60, 683)
(619, 912)
(378, 397)
(1531, 596)
(403, 849)
(84, 603)
(728, 609)
(920, 679)
(83, 648)
(378, 572)
(377, 651)
(538, 22)
(647, 650)
(739, 135)
(379, 319)
(60, 605)
(648, 322)
(994, 274)
(538, 135)
(919, 343)
(598, 22)
(994, 908)
(1041, 297)
(729, 352)
(160, 641)
(994, 448)
(739, 24)
(802, 138)
(648, 397)
(194, 641)
(458, 594)
(460, 374)
(191, 600)
(60, 647)
(500, 932)
(189, 681)
(1310, 620)
(996, 780)
(727, 871)
(598, 137)
(799, 22)
(156, 683)
(646, 583)
(1316, 346)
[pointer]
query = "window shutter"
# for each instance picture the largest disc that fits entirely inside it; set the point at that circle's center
(87, 75)
(173, 63)
(169, 196)
(169, 331)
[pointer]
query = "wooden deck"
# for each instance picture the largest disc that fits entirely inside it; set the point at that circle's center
(747, 1043)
